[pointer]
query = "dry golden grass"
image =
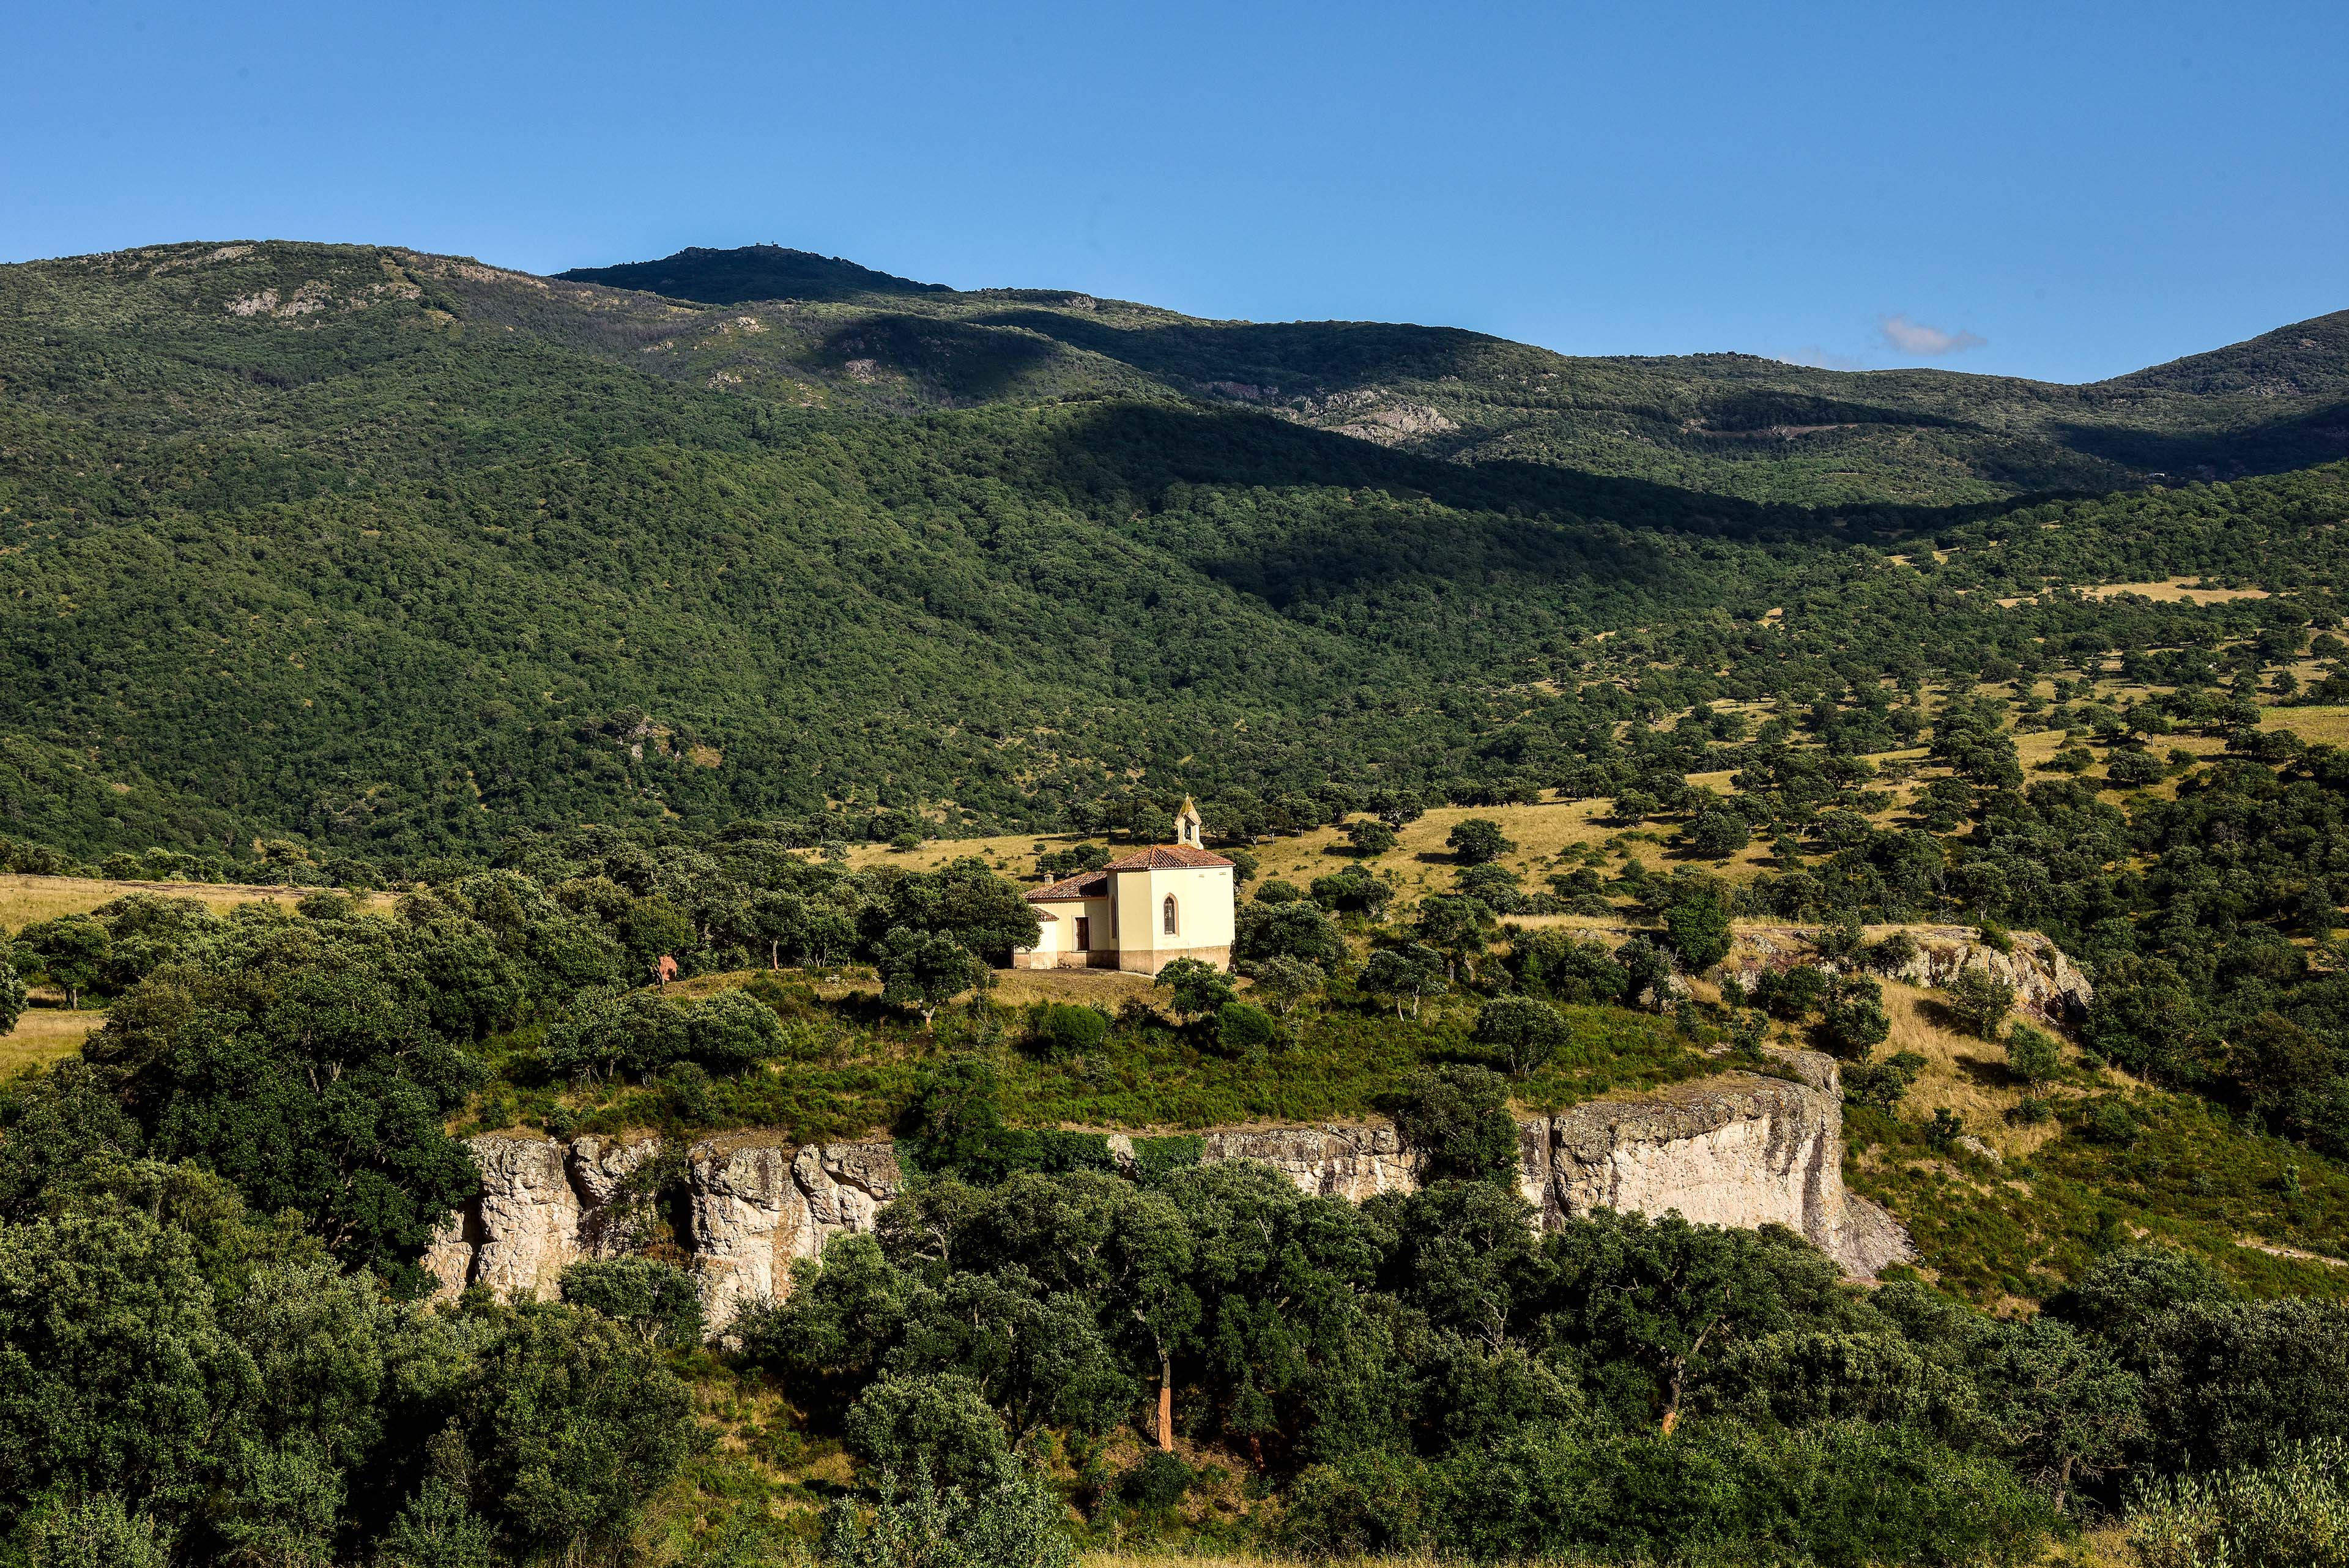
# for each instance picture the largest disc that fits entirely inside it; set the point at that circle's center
(1419, 858)
(1543, 832)
(1014, 853)
(1104, 988)
(2170, 590)
(25, 900)
(2173, 589)
(45, 1035)
(1965, 1075)
(2329, 725)
(1422, 865)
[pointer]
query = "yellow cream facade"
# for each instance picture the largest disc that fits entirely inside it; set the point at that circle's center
(1140, 912)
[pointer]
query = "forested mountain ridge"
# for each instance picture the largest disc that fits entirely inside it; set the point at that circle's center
(1729, 423)
(399, 554)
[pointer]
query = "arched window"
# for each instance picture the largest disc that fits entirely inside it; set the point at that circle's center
(1170, 914)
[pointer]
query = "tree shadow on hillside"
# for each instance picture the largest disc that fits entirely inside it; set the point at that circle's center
(2301, 440)
(1489, 524)
(967, 364)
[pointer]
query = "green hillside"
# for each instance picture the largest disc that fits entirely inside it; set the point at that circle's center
(398, 554)
(1730, 424)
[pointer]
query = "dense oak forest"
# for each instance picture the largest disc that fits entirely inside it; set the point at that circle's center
(782, 619)
(395, 555)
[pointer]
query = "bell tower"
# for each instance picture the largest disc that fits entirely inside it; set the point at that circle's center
(1188, 825)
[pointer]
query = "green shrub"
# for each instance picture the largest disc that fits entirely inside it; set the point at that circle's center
(12, 992)
(1523, 1032)
(938, 1424)
(660, 1301)
(1242, 1027)
(1978, 1000)
(1015, 1523)
(2110, 1121)
(1698, 925)
(1792, 994)
(1852, 1019)
(1195, 989)
(1352, 890)
(1156, 1157)
(1062, 1029)
(1718, 835)
(1160, 1481)
(1841, 1494)
(1558, 965)
(2133, 769)
(1478, 841)
(640, 1034)
(2291, 1513)
(1368, 1504)
(1884, 1083)
(1286, 982)
(1456, 1122)
(1840, 939)
(95, 1533)
(1890, 956)
(2032, 1055)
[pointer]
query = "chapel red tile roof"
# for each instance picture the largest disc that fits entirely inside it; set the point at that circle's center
(1167, 857)
(1086, 885)
(1157, 857)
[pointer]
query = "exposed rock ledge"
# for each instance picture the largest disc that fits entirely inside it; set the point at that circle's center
(1736, 1149)
(2045, 981)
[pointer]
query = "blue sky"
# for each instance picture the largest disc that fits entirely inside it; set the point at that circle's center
(2052, 189)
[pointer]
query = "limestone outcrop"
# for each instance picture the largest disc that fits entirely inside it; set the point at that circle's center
(1335, 1161)
(759, 1205)
(545, 1204)
(2046, 983)
(1736, 1149)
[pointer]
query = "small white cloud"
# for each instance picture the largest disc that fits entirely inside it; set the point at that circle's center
(1915, 337)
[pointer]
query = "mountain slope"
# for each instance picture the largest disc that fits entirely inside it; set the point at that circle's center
(1725, 423)
(401, 554)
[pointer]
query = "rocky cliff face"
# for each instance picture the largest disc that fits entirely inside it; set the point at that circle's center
(757, 1205)
(544, 1205)
(1737, 1149)
(1351, 1162)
